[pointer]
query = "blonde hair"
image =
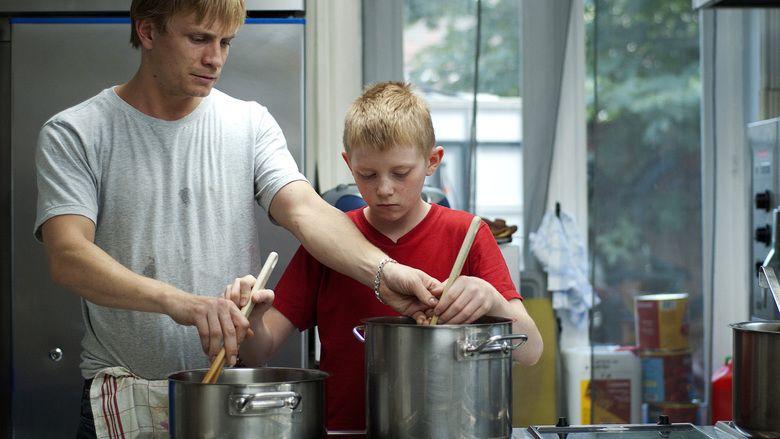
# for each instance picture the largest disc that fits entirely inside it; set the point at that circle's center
(231, 13)
(386, 115)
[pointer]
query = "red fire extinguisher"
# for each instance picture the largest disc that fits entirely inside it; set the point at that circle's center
(722, 392)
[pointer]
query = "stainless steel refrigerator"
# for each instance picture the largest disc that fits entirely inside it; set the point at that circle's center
(54, 54)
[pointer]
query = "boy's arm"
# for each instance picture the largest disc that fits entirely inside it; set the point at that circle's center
(268, 328)
(522, 323)
(470, 298)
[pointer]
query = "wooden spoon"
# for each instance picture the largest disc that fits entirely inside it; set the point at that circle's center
(215, 370)
(460, 260)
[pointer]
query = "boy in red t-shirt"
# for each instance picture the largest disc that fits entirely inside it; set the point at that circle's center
(390, 148)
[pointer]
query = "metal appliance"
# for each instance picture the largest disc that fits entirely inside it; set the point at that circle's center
(55, 54)
(263, 402)
(763, 139)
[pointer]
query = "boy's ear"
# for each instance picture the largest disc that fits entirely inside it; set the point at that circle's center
(434, 160)
(346, 160)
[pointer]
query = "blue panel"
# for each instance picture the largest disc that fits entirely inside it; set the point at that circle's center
(126, 20)
(69, 20)
(275, 21)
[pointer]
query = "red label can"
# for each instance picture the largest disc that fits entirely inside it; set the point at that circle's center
(666, 376)
(662, 321)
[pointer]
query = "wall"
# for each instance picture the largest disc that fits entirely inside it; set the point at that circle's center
(725, 162)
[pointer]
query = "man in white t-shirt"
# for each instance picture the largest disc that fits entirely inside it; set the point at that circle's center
(146, 202)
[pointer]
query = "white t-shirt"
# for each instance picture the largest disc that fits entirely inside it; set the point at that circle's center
(171, 200)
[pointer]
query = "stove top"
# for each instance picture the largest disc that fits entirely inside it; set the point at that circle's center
(628, 431)
(662, 430)
(727, 430)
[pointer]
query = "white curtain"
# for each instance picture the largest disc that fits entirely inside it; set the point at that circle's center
(554, 152)
(333, 81)
(725, 179)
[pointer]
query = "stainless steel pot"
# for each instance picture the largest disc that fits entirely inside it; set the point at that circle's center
(756, 380)
(443, 381)
(248, 403)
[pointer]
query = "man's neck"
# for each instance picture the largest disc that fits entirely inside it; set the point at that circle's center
(148, 98)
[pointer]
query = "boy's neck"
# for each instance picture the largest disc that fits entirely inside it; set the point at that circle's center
(395, 230)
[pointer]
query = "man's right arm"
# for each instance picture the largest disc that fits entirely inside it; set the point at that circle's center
(78, 264)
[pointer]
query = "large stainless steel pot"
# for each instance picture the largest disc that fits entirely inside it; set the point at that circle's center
(247, 403)
(443, 381)
(756, 379)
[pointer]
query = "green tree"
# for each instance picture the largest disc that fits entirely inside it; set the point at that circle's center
(447, 65)
(644, 147)
(643, 91)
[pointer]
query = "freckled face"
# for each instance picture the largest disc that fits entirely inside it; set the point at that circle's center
(188, 57)
(391, 181)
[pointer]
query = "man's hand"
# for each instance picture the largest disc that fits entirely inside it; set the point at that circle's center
(219, 321)
(408, 290)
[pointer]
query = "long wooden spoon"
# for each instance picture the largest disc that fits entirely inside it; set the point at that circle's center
(215, 370)
(460, 260)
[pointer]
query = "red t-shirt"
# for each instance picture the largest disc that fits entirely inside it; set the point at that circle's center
(310, 294)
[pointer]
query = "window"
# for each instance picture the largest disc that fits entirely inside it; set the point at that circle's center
(644, 163)
(440, 40)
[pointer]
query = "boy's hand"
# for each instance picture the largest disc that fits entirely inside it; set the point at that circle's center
(239, 293)
(408, 290)
(468, 299)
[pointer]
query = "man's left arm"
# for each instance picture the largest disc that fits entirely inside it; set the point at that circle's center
(332, 238)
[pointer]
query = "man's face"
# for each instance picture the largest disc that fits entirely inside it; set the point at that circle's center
(187, 58)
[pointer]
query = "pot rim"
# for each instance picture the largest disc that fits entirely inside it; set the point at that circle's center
(313, 375)
(766, 327)
(405, 321)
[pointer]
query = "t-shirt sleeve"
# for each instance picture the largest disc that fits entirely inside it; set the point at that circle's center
(66, 182)
(488, 263)
(275, 167)
(295, 295)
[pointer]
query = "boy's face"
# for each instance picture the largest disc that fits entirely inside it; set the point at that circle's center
(391, 181)
(188, 57)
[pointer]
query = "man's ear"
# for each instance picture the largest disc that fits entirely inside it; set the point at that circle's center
(434, 160)
(145, 30)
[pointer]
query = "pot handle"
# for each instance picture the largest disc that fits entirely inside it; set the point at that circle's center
(359, 332)
(496, 343)
(258, 403)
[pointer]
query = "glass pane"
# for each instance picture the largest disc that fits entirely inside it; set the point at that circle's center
(440, 41)
(644, 167)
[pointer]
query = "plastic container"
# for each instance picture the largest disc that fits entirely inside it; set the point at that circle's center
(722, 391)
(603, 386)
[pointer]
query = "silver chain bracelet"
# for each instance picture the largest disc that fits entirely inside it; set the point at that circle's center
(378, 277)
